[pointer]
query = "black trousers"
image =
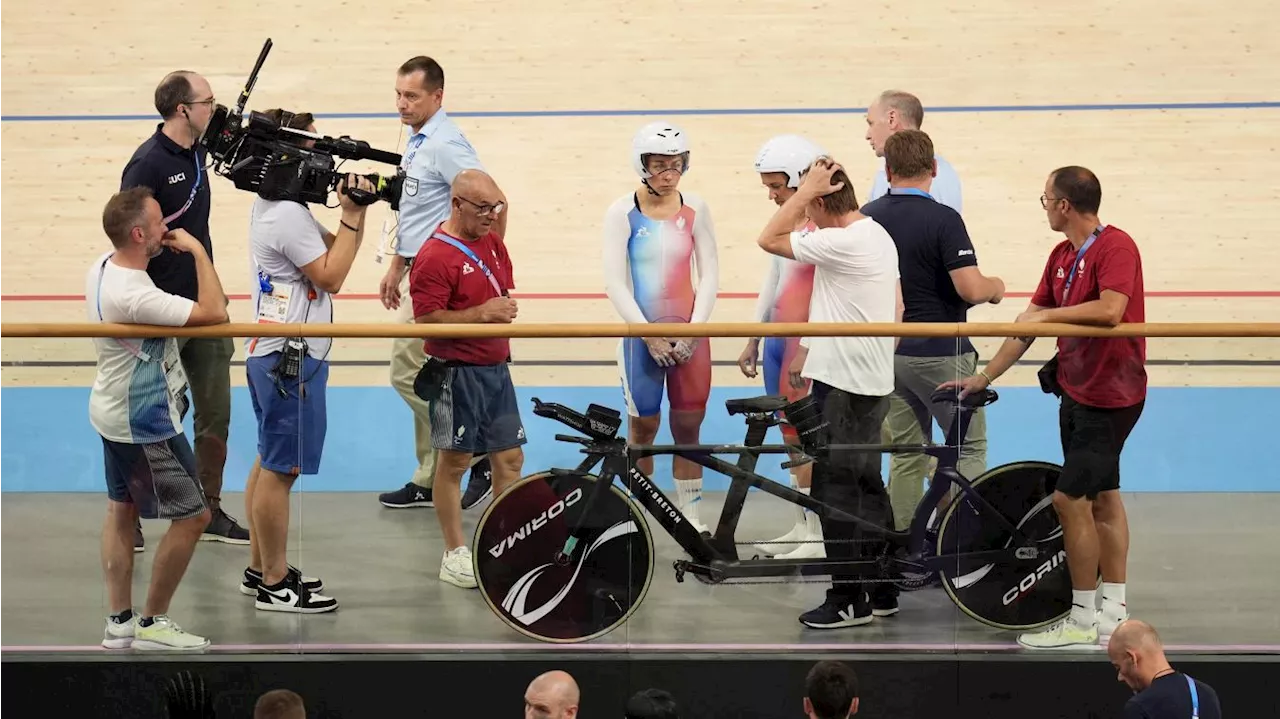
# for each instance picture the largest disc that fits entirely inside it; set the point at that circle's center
(851, 482)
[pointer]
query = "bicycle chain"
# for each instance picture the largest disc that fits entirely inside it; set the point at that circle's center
(801, 579)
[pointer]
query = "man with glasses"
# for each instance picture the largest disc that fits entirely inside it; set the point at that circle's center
(463, 275)
(1093, 277)
(437, 151)
(171, 163)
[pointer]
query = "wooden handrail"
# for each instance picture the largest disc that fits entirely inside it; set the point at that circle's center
(12, 330)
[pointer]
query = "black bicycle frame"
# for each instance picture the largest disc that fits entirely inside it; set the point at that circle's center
(720, 549)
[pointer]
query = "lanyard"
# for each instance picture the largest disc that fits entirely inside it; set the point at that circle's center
(909, 191)
(194, 189)
(1075, 262)
(136, 352)
(1195, 698)
(467, 251)
(414, 143)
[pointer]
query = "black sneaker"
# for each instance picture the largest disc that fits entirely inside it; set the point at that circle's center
(884, 600)
(838, 613)
(253, 579)
(292, 596)
(139, 544)
(480, 485)
(223, 528)
(410, 495)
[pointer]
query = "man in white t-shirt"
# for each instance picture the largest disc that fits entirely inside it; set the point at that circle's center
(297, 265)
(855, 280)
(137, 404)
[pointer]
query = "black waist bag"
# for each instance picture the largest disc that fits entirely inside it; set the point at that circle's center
(429, 384)
(1048, 376)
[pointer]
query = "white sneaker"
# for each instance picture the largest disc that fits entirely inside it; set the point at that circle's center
(164, 634)
(1066, 634)
(1108, 621)
(690, 512)
(119, 635)
(787, 542)
(457, 568)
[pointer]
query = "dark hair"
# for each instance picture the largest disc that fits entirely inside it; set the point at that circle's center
(908, 154)
(843, 200)
(175, 89)
(279, 704)
(1080, 187)
(297, 121)
(651, 704)
(124, 211)
(831, 688)
(432, 73)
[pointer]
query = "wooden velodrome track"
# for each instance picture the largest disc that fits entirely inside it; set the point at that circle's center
(1171, 103)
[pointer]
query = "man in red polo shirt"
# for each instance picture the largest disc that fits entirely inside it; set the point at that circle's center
(1092, 278)
(462, 274)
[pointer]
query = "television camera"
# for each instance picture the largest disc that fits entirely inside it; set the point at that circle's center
(283, 163)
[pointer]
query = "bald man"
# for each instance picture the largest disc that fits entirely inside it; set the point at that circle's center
(893, 111)
(463, 274)
(1160, 692)
(553, 695)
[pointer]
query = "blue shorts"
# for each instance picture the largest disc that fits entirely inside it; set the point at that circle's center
(477, 412)
(291, 428)
(158, 478)
(688, 385)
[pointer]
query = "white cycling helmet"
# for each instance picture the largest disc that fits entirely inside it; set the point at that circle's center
(658, 138)
(791, 155)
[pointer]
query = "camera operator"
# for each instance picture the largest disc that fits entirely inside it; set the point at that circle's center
(1093, 277)
(855, 280)
(463, 275)
(171, 164)
(437, 152)
(297, 265)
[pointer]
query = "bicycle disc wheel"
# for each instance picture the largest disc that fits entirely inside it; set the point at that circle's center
(1007, 593)
(600, 585)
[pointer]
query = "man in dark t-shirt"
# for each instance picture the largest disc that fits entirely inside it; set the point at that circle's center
(940, 282)
(1160, 692)
(170, 163)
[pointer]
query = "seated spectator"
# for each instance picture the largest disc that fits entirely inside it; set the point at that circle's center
(651, 704)
(831, 691)
(279, 704)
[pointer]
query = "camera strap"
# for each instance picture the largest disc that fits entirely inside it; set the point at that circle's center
(472, 256)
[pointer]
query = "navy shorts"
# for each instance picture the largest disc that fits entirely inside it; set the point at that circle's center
(1092, 439)
(477, 413)
(291, 427)
(158, 478)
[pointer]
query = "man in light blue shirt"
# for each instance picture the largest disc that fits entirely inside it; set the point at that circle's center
(436, 152)
(895, 110)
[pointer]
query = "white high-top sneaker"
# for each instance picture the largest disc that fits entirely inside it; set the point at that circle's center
(812, 538)
(797, 532)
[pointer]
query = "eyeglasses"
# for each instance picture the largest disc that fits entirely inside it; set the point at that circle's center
(1046, 199)
(210, 102)
(495, 209)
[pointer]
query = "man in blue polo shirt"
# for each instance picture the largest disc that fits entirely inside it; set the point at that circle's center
(437, 151)
(171, 164)
(940, 281)
(893, 112)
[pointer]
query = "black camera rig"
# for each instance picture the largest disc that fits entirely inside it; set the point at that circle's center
(270, 158)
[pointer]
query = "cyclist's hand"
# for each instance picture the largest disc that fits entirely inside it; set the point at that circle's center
(967, 386)
(660, 350)
(684, 350)
(750, 355)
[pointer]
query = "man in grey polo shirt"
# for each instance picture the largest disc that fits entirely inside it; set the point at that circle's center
(892, 112)
(437, 151)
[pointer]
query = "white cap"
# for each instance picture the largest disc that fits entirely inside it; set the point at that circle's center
(792, 155)
(658, 138)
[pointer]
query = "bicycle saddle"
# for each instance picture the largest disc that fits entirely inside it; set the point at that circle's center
(765, 403)
(973, 401)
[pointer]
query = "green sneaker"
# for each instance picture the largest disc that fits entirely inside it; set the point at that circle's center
(165, 635)
(1066, 634)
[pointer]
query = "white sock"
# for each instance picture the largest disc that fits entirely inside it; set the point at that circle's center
(688, 491)
(1083, 603)
(802, 513)
(1113, 594)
